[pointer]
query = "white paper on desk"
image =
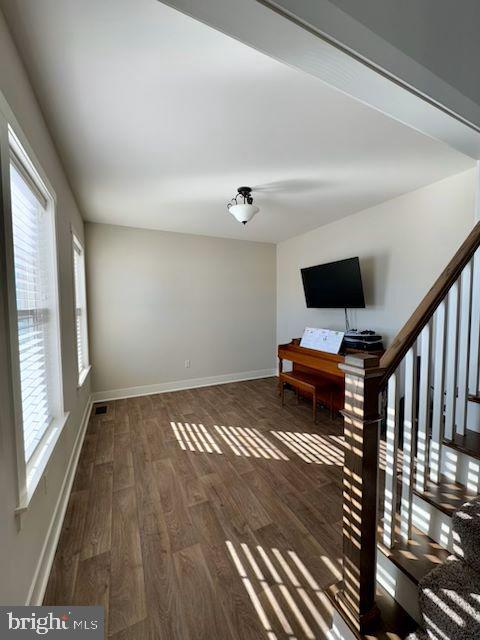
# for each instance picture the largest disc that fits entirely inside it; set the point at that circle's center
(322, 340)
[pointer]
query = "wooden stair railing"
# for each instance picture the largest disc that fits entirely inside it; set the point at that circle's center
(425, 310)
(434, 364)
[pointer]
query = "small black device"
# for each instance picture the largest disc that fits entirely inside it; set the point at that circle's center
(335, 285)
(362, 340)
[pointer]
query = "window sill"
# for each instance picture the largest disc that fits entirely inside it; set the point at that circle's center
(39, 461)
(83, 376)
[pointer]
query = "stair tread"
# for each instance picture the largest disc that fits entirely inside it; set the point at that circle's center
(418, 556)
(468, 443)
(446, 495)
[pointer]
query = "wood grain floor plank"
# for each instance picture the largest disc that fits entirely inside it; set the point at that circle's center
(202, 614)
(180, 530)
(230, 591)
(247, 504)
(70, 542)
(269, 493)
(192, 487)
(61, 582)
(121, 424)
(139, 631)
(98, 525)
(127, 586)
(104, 450)
(93, 583)
(83, 477)
(123, 461)
(207, 525)
(233, 521)
(165, 605)
(155, 437)
(150, 514)
(243, 623)
(61, 585)
(87, 454)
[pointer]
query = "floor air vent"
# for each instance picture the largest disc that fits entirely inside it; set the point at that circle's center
(99, 410)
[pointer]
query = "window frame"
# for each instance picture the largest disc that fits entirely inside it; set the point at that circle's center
(82, 373)
(31, 472)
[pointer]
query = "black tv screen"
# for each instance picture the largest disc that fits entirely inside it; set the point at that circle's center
(334, 285)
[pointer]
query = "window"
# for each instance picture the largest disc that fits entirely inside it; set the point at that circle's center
(37, 361)
(81, 327)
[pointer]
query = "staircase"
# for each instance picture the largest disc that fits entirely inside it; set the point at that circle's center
(423, 546)
(449, 596)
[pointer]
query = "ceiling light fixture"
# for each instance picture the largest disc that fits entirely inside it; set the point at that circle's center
(243, 211)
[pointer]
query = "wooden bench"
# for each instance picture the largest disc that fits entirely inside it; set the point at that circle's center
(310, 385)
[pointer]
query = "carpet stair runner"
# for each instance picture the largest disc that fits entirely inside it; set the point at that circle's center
(449, 596)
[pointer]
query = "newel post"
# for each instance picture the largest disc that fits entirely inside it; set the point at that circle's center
(355, 597)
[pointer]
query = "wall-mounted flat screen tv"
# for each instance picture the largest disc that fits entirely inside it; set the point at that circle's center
(335, 285)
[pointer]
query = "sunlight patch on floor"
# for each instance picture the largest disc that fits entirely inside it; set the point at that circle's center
(312, 447)
(193, 437)
(249, 443)
(285, 595)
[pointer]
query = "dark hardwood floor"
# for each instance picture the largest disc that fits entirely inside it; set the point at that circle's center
(205, 514)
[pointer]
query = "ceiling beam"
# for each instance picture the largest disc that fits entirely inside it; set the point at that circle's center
(284, 38)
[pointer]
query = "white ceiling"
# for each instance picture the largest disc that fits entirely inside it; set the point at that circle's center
(159, 119)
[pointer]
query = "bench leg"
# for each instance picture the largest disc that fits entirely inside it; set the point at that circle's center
(314, 400)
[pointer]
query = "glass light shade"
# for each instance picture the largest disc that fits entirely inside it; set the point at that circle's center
(243, 212)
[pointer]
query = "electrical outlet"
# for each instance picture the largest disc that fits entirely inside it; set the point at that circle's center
(187, 364)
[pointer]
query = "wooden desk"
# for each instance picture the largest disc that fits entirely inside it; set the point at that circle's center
(319, 368)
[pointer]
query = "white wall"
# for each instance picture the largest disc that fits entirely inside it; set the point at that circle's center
(157, 299)
(21, 551)
(403, 245)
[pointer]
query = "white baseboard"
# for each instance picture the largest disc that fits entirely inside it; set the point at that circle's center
(398, 585)
(434, 523)
(460, 467)
(44, 565)
(340, 629)
(473, 413)
(179, 385)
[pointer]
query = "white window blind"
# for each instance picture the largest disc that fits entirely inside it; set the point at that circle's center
(80, 309)
(34, 297)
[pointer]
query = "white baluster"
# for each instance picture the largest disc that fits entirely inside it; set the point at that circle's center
(438, 389)
(451, 363)
(408, 443)
(390, 504)
(424, 395)
(464, 347)
(474, 369)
